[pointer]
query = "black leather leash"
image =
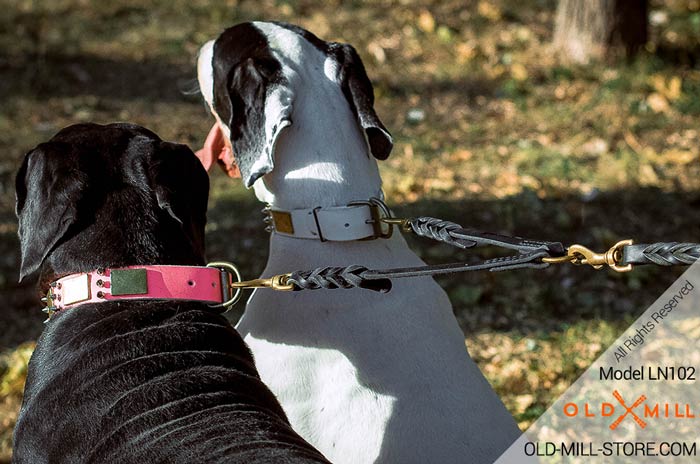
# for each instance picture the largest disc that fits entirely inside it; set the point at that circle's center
(531, 254)
(622, 255)
(661, 254)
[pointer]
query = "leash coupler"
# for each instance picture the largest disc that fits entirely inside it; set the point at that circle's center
(532, 254)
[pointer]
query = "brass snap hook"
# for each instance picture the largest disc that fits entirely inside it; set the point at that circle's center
(278, 282)
(388, 219)
(579, 254)
(403, 223)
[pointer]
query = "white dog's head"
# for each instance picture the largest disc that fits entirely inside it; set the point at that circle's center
(259, 78)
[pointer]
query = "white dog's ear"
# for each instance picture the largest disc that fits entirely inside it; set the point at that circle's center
(360, 94)
(256, 106)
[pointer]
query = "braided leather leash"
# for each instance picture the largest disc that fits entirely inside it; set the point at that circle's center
(660, 254)
(531, 254)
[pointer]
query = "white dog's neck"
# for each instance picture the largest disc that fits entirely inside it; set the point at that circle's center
(322, 159)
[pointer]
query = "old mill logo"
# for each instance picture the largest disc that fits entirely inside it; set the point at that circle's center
(637, 411)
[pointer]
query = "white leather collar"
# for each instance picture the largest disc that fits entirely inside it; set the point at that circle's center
(356, 221)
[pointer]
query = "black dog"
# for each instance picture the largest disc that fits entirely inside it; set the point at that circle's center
(133, 381)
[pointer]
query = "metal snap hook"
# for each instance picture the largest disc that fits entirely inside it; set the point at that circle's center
(579, 254)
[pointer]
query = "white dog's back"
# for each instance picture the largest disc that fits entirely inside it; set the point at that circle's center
(368, 376)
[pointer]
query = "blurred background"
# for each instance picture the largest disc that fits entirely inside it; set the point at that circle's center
(575, 121)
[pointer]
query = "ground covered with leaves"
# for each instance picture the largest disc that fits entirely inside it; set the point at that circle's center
(491, 131)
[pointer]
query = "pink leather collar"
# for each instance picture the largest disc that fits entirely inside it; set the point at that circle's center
(192, 283)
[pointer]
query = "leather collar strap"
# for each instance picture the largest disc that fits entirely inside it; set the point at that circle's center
(335, 223)
(193, 283)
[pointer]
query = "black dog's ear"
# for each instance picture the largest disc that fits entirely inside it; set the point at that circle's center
(360, 94)
(181, 187)
(46, 205)
(257, 105)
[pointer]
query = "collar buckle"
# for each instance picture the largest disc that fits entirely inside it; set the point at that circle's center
(379, 212)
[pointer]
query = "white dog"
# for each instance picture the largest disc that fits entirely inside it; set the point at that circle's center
(363, 376)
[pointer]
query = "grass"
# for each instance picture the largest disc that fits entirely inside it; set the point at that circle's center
(510, 141)
(13, 371)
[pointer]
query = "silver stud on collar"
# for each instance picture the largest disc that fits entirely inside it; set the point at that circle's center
(48, 300)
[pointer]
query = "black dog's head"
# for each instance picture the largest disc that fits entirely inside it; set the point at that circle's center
(113, 195)
(252, 76)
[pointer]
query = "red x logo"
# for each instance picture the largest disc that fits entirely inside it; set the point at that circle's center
(628, 410)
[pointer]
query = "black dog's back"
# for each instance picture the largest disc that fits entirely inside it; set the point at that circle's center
(133, 381)
(149, 382)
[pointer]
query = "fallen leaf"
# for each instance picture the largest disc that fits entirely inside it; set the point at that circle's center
(489, 10)
(595, 146)
(658, 103)
(426, 21)
(647, 175)
(444, 34)
(518, 72)
(677, 156)
(377, 52)
(461, 155)
(671, 89)
(522, 402)
(465, 52)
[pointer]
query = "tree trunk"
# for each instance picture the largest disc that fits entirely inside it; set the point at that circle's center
(595, 29)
